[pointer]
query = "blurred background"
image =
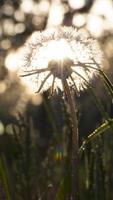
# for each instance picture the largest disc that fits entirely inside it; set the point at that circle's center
(35, 129)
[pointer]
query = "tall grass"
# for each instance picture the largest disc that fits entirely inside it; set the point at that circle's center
(41, 167)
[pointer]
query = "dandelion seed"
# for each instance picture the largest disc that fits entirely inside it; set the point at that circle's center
(59, 54)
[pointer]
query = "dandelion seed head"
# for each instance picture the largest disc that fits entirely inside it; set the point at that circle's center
(60, 58)
(60, 54)
(58, 50)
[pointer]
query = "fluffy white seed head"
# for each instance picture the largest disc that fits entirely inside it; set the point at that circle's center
(56, 54)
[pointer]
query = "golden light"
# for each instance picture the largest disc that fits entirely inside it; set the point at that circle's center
(100, 18)
(31, 6)
(1, 128)
(8, 10)
(103, 7)
(6, 44)
(19, 28)
(2, 87)
(56, 13)
(76, 4)
(27, 6)
(13, 63)
(19, 15)
(8, 27)
(79, 20)
(59, 54)
(58, 155)
(95, 25)
(13, 59)
(43, 6)
(58, 50)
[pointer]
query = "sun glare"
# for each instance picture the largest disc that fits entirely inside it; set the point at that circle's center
(53, 56)
(58, 50)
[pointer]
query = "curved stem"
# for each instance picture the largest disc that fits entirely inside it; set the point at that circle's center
(74, 155)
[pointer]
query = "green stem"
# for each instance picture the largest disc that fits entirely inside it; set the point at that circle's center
(74, 155)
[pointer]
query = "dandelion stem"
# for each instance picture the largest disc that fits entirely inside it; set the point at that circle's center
(74, 155)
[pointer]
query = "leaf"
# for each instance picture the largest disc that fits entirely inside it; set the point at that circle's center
(100, 130)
